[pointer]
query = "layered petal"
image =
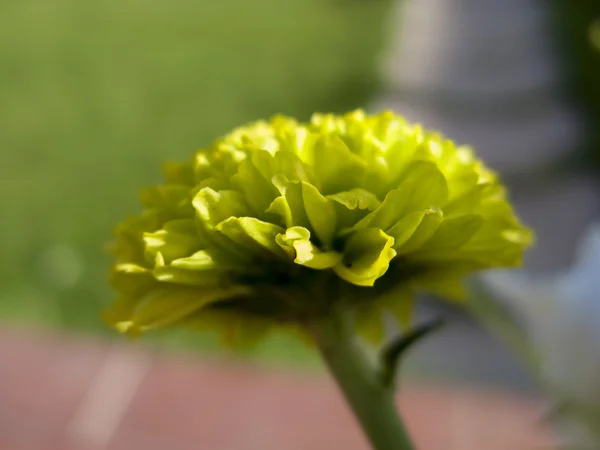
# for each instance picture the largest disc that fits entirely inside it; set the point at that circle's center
(279, 221)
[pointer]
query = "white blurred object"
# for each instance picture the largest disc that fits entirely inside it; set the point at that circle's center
(561, 314)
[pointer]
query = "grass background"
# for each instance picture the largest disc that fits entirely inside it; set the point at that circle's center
(94, 96)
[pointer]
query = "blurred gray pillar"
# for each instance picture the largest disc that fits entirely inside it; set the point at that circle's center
(485, 73)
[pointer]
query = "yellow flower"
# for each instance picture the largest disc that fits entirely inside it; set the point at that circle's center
(280, 221)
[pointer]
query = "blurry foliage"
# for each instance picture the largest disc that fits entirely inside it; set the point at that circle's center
(94, 96)
(575, 21)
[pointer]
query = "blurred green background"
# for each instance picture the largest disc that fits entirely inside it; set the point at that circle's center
(95, 96)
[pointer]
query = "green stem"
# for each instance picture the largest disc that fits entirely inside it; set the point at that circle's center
(362, 384)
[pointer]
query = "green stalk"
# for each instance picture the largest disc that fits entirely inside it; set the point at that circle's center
(371, 399)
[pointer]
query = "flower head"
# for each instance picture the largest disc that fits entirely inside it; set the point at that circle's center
(280, 221)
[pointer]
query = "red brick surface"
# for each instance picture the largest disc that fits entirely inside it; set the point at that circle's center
(67, 394)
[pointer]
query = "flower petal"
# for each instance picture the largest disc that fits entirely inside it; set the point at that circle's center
(320, 212)
(336, 167)
(162, 307)
(253, 234)
(214, 207)
(177, 239)
(351, 206)
(453, 233)
(406, 227)
(258, 192)
(296, 242)
(367, 254)
(423, 188)
(291, 209)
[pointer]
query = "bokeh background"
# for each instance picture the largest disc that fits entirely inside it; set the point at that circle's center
(95, 96)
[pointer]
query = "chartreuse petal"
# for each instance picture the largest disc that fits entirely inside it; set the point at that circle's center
(356, 199)
(290, 205)
(497, 242)
(424, 187)
(164, 306)
(296, 243)
(453, 233)
(301, 204)
(177, 239)
(427, 227)
(351, 206)
(486, 199)
(427, 185)
(406, 227)
(280, 207)
(336, 167)
(291, 166)
(170, 201)
(253, 234)
(258, 192)
(203, 268)
(207, 259)
(263, 161)
(185, 277)
(214, 207)
(367, 254)
(131, 279)
(320, 213)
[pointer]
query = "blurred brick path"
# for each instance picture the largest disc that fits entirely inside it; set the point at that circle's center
(59, 393)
